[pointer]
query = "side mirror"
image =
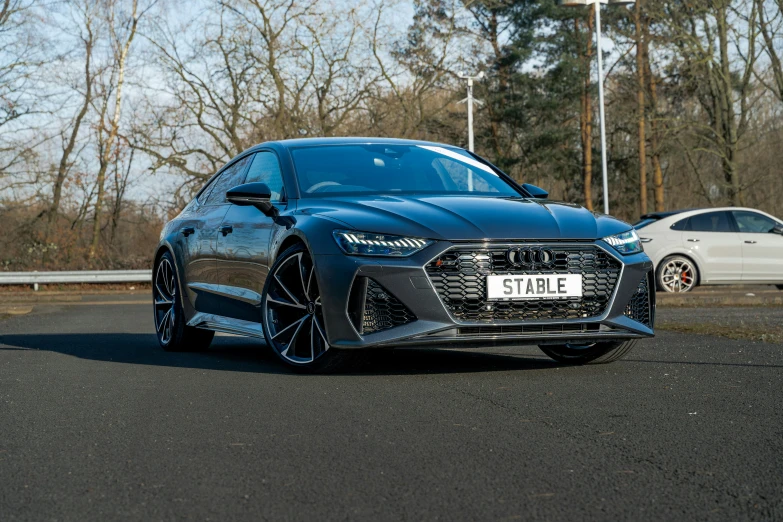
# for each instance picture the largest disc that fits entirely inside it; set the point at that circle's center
(777, 229)
(256, 194)
(535, 192)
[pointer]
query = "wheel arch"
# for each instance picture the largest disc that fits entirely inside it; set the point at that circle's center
(163, 248)
(689, 257)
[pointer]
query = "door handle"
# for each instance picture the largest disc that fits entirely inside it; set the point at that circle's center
(187, 231)
(226, 230)
(693, 240)
(750, 242)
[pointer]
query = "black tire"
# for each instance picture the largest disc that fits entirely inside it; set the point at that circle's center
(596, 353)
(779, 287)
(172, 332)
(677, 274)
(290, 305)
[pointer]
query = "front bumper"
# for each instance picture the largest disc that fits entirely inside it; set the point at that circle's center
(626, 313)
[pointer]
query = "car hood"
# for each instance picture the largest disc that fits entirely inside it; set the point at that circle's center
(465, 218)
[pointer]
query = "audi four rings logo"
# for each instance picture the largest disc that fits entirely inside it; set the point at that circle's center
(530, 257)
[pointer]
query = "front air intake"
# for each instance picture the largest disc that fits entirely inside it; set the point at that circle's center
(372, 308)
(640, 306)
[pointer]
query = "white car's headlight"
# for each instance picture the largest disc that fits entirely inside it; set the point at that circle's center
(367, 244)
(626, 243)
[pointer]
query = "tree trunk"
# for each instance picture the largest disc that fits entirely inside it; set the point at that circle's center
(113, 131)
(640, 104)
(586, 116)
(655, 155)
(62, 169)
(728, 131)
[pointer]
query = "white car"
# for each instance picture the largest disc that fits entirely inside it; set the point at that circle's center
(717, 246)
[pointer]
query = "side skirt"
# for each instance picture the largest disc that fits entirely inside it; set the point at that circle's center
(218, 323)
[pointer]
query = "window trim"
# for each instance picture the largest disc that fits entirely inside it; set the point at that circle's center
(211, 181)
(283, 193)
(733, 228)
(220, 173)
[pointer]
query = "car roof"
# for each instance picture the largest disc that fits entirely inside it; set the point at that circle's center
(665, 219)
(310, 142)
(668, 213)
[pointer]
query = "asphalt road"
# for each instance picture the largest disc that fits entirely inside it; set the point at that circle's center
(97, 423)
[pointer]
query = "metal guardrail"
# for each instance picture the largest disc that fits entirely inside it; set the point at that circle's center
(77, 276)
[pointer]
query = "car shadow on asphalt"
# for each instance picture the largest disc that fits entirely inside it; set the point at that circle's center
(244, 355)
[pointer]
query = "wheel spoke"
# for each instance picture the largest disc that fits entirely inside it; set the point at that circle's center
(285, 303)
(163, 321)
(296, 323)
(321, 333)
(162, 301)
(312, 340)
(286, 290)
(294, 337)
(301, 276)
(309, 281)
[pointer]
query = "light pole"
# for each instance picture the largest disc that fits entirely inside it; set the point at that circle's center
(470, 101)
(601, 115)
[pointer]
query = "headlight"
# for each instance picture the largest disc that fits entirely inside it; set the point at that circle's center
(366, 244)
(626, 243)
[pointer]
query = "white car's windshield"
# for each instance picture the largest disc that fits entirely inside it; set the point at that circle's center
(334, 170)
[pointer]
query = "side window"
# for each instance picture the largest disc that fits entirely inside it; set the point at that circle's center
(202, 198)
(710, 222)
(681, 225)
(753, 223)
(229, 178)
(266, 169)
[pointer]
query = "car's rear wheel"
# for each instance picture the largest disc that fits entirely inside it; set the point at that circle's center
(677, 274)
(172, 332)
(592, 353)
(293, 318)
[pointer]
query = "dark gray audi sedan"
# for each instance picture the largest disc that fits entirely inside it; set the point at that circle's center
(326, 247)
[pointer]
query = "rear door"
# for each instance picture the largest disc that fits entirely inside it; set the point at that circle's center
(243, 244)
(710, 237)
(762, 251)
(201, 271)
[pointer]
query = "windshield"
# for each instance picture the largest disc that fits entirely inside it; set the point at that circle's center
(336, 170)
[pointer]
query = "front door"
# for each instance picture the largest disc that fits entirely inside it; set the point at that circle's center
(711, 239)
(202, 229)
(762, 250)
(243, 244)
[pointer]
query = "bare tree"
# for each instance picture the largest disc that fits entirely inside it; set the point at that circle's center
(107, 133)
(85, 14)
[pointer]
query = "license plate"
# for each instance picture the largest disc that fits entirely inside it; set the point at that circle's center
(557, 286)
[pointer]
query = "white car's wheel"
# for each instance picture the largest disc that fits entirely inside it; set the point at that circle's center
(677, 274)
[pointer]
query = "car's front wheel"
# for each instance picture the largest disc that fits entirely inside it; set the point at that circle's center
(173, 334)
(293, 318)
(677, 274)
(593, 353)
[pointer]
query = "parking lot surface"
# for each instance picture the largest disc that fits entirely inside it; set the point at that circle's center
(97, 423)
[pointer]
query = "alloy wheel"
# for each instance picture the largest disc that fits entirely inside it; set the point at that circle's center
(678, 275)
(293, 311)
(164, 293)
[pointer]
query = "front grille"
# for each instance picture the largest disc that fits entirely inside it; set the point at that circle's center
(638, 307)
(382, 310)
(459, 277)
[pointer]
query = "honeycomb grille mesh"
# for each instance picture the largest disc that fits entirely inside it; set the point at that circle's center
(459, 277)
(638, 307)
(382, 310)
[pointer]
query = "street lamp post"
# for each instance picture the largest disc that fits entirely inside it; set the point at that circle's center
(601, 114)
(470, 100)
